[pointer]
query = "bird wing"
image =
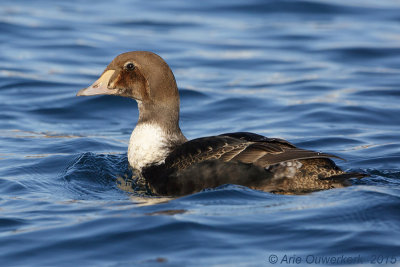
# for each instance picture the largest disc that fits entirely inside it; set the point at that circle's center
(239, 147)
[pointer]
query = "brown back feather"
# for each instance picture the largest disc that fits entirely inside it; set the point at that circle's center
(239, 147)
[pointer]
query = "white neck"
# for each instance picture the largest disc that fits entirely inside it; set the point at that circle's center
(149, 145)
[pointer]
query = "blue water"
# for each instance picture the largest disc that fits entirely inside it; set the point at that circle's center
(322, 74)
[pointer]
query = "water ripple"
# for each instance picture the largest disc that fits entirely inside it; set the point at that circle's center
(322, 74)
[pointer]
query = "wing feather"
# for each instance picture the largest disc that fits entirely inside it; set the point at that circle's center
(229, 155)
(239, 147)
(288, 155)
(249, 155)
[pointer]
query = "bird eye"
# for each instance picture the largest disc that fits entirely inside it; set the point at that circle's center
(129, 66)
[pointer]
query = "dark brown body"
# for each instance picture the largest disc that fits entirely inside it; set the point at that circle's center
(213, 161)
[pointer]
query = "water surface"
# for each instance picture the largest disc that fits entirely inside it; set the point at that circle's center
(324, 75)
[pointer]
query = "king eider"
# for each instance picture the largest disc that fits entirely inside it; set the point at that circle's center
(174, 166)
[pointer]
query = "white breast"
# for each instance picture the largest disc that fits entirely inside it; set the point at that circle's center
(148, 145)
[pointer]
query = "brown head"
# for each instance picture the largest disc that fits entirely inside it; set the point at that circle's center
(145, 77)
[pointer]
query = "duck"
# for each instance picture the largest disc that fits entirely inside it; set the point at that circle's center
(171, 165)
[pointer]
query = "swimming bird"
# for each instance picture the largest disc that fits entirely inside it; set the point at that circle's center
(174, 166)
